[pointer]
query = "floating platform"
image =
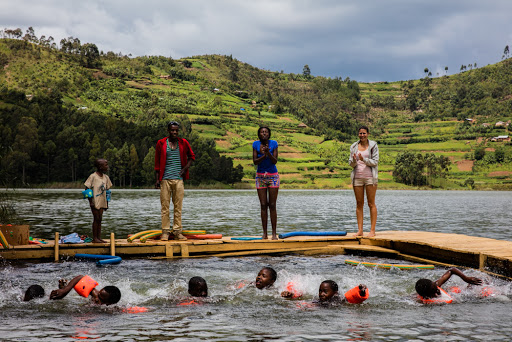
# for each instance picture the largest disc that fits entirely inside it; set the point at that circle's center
(443, 249)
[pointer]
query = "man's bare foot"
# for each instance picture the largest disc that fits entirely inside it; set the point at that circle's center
(264, 237)
(358, 234)
(98, 241)
(371, 234)
(62, 283)
(274, 237)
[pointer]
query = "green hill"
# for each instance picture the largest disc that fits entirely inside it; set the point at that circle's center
(223, 101)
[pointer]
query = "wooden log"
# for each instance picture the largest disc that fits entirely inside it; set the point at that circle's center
(56, 247)
(112, 244)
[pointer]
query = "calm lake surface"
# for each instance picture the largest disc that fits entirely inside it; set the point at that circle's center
(231, 313)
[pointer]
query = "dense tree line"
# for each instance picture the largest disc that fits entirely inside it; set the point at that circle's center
(43, 141)
(418, 169)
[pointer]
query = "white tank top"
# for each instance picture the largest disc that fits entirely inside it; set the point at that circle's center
(363, 170)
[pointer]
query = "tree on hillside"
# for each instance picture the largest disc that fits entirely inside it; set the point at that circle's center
(425, 71)
(417, 169)
(25, 142)
(445, 70)
(90, 55)
(506, 51)
(306, 72)
(133, 164)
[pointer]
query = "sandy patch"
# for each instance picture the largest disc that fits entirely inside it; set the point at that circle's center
(490, 149)
(465, 165)
(231, 134)
(290, 148)
(499, 174)
(290, 155)
(223, 144)
(290, 175)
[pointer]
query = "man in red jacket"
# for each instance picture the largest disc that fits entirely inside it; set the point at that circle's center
(173, 158)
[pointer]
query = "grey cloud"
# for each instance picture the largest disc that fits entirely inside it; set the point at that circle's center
(370, 40)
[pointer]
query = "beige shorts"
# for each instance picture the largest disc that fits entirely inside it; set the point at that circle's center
(363, 181)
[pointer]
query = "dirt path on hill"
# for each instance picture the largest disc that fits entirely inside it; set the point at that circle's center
(499, 174)
(465, 165)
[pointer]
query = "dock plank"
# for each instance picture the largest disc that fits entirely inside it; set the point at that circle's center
(446, 249)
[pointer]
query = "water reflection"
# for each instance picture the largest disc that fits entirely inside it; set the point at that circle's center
(479, 213)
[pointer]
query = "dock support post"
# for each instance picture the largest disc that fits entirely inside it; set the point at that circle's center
(184, 250)
(482, 262)
(112, 244)
(168, 250)
(56, 247)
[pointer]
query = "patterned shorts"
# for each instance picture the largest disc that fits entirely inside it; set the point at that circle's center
(267, 180)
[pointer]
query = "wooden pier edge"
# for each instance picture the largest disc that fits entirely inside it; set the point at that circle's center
(443, 249)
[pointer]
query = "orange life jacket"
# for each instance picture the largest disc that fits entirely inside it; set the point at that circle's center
(443, 298)
(85, 286)
(354, 297)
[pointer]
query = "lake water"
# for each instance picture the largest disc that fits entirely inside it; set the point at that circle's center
(247, 314)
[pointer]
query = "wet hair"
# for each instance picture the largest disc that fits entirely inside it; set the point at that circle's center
(332, 284)
(33, 291)
(98, 161)
(425, 288)
(262, 127)
(114, 294)
(363, 127)
(173, 123)
(195, 284)
(273, 273)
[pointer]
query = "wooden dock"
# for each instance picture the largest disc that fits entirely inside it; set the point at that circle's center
(488, 255)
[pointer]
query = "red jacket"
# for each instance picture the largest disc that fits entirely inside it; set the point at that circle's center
(161, 155)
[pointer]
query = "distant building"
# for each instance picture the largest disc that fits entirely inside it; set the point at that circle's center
(486, 124)
(470, 120)
(302, 125)
(500, 124)
(501, 138)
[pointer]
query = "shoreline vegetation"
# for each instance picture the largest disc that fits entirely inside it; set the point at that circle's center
(64, 105)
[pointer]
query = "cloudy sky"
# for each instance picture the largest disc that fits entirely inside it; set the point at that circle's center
(366, 40)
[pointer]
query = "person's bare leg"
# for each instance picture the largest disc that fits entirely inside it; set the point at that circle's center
(359, 193)
(371, 190)
(96, 225)
(272, 200)
(262, 195)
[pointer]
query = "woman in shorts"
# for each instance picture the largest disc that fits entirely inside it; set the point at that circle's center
(264, 154)
(364, 158)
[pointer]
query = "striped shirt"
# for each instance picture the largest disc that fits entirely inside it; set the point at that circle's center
(172, 162)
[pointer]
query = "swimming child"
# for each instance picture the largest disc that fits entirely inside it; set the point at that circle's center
(431, 292)
(85, 286)
(328, 293)
(265, 278)
(99, 182)
(197, 287)
(33, 291)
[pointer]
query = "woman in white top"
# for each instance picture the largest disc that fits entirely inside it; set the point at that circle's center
(364, 158)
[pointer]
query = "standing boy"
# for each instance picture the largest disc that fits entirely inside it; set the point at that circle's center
(173, 157)
(99, 183)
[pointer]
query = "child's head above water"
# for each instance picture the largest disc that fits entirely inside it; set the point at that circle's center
(108, 295)
(266, 277)
(197, 287)
(427, 288)
(328, 289)
(33, 291)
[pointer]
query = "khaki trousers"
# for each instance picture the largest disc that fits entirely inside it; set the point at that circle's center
(172, 189)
